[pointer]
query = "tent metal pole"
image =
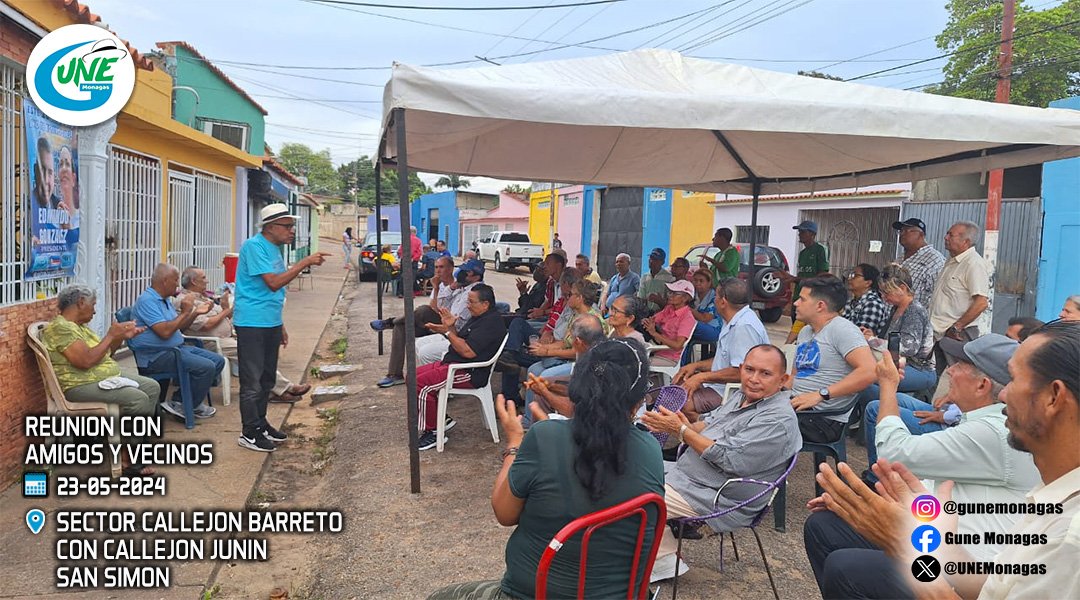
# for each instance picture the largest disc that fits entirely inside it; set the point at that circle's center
(378, 247)
(756, 183)
(407, 281)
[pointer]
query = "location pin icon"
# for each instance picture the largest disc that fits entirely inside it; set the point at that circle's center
(35, 520)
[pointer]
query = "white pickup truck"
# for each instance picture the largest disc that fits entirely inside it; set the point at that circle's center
(508, 249)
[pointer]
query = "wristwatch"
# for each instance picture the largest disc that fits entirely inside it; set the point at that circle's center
(824, 393)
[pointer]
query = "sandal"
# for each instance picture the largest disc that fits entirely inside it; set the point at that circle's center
(137, 470)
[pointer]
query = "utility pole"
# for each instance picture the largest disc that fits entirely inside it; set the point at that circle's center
(997, 176)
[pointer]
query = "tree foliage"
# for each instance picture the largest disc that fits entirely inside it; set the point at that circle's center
(1046, 51)
(820, 75)
(316, 166)
(357, 183)
(453, 182)
(517, 189)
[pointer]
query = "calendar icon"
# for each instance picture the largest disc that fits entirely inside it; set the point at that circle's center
(35, 484)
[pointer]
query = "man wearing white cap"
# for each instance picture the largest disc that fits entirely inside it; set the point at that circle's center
(261, 278)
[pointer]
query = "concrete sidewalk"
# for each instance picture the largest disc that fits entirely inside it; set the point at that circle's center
(28, 568)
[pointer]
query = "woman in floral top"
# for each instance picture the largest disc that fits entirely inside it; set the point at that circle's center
(83, 362)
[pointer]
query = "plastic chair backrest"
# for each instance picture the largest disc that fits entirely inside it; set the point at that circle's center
(635, 507)
(53, 392)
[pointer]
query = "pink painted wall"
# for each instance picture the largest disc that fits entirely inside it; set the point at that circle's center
(568, 221)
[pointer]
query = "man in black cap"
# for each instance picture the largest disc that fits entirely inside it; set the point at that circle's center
(813, 262)
(920, 259)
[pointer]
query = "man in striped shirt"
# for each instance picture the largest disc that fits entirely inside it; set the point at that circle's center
(920, 259)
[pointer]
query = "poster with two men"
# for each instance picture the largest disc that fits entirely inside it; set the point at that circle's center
(53, 161)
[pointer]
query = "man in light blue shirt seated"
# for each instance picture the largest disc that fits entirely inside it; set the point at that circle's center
(153, 348)
(705, 380)
(623, 283)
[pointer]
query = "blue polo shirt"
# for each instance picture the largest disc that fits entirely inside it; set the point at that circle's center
(149, 310)
(622, 286)
(256, 304)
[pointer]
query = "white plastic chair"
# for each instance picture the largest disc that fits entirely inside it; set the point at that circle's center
(226, 371)
(54, 395)
(730, 388)
(487, 403)
(667, 373)
(789, 354)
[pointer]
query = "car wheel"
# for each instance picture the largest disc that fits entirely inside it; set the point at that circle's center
(498, 263)
(767, 282)
(771, 315)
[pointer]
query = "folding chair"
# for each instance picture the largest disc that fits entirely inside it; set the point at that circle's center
(54, 395)
(487, 403)
(768, 488)
(638, 587)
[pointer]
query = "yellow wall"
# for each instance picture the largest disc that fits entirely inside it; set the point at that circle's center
(145, 124)
(691, 220)
(539, 219)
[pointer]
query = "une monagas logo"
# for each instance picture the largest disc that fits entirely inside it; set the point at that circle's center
(80, 75)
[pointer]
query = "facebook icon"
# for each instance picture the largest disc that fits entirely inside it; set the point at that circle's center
(925, 539)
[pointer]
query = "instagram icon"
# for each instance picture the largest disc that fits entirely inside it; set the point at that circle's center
(925, 508)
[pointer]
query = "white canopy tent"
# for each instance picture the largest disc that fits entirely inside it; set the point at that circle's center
(654, 118)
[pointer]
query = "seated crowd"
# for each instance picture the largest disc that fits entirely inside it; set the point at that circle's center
(901, 349)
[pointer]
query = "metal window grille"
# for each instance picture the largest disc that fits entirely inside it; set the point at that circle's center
(132, 224)
(181, 249)
(212, 232)
(14, 189)
(742, 234)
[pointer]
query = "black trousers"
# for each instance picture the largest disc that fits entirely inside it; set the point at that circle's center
(257, 355)
(847, 565)
(820, 430)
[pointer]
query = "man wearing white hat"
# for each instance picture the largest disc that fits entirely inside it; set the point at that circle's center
(261, 278)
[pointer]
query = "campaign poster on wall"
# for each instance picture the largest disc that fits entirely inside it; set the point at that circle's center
(53, 164)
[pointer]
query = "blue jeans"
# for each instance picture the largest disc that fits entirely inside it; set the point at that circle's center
(907, 407)
(914, 380)
(702, 332)
(202, 367)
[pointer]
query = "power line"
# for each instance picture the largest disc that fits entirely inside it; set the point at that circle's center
(667, 36)
(1018, 69)
(466, 8)
(767, 16)
(523, 23)
(994, 44)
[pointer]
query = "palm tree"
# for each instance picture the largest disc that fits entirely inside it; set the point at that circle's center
(453, 182)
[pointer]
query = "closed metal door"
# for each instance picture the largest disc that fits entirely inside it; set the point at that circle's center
(620, 230)
(854, 236)
(181, 220)
(212, 236)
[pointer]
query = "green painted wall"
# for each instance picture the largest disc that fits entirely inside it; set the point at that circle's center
(218, 100)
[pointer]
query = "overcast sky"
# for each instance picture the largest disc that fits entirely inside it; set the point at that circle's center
(252, 40)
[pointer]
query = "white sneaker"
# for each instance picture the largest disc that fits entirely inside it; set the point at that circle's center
(664, 568)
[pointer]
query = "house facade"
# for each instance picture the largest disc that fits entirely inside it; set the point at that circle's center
(142, 179)
(438, 216)
(1058, 276)
(512, 214)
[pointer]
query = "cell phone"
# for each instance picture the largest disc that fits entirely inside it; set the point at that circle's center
(894, 346)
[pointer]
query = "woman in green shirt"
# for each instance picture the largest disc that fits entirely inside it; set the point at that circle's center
(84, 365)
(563, 469)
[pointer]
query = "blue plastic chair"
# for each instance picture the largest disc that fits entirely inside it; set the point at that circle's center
(768, 488)
(178, 374)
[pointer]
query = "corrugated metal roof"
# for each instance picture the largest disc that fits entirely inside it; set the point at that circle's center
(822, 196)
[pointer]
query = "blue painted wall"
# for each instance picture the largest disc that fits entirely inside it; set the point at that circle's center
(446, 204)
(392, 214)
(656, 223)
(589, 197)
(1058, 276)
